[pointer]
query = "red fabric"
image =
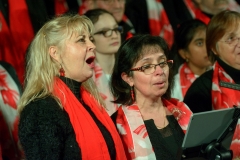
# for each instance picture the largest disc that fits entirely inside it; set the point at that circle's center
(9, 96)
(201, 16)
(17, 36)
(158, 21)
(60, 7)
(187, 77)
(88, 135)
(222, 98)
(8, 52)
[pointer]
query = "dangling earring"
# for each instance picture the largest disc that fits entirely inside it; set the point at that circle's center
(61, 71)
(187, 60)
(132, 93)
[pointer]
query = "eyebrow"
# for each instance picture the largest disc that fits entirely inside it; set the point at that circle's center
(198, 39)
(107, 28)
(160, 57)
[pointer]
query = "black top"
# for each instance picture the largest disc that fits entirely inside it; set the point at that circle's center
(45, 130)
(199, 96)
(165, 142)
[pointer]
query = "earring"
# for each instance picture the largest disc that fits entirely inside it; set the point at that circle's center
(132, 93)
(186, 59)
(61, 71)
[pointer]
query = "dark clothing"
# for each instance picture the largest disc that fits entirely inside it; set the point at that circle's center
(165, 142)
(199, 95)
(45, 130)
(127, 31)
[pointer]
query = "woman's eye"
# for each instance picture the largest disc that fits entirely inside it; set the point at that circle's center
(199, 43)
(81, 40)
(91, 39)
(146, 66)
(230, 39)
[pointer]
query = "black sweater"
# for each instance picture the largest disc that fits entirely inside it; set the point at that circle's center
(45, 130)
(199, 96)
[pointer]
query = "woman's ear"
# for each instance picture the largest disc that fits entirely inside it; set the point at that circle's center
(127, 79)
(53, 53)
(183, 53)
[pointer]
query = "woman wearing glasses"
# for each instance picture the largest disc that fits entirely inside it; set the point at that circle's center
(150, 123)
(107, 39)
(219, 88)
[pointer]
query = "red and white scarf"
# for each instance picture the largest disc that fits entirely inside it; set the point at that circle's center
(187, 77)
(158, 21)
(133, 130)
(223, 97)
(198, 14)
(88, 135)
(102, 83)
(9, 97)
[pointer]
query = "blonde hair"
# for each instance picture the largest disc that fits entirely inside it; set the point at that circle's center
(41, 68)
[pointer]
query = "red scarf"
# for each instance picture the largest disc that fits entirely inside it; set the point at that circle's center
(88, 135)
(187, 77)
(223, 97)
(158, 21)
(60, 7)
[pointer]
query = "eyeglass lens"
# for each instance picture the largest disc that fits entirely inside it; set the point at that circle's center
(152, 68)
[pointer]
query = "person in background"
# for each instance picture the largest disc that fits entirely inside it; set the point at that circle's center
(10, 92)
(107, 39)
(153, 17)
(191, 59)
(151, 123)
(204, 10)
(62, 115)
(209, 91)
(116, 8)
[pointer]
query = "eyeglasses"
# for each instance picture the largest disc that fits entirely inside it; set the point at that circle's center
(150, 68)
(109, 32)
(110, 2)
(232, 41)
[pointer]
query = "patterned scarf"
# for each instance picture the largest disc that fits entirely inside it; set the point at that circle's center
(221, 100)
(198, 14)
(9, 96)
(133, 130)
(158, 21)
(102, 83)
(187, 77)
(88, 135)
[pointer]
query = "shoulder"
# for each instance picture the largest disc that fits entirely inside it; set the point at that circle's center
(44, 109)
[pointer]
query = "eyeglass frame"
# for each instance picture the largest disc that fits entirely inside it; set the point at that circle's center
(118, 29)
(233, 39)
(140, 69)
(110, 2)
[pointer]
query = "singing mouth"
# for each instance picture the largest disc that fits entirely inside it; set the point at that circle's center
(90, 60)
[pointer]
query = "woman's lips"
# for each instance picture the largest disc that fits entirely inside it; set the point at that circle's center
(115, 44)
(90, 61)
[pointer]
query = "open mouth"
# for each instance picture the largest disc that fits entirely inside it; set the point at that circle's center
(90, 60)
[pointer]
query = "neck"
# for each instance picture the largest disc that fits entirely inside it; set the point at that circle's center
(197, 70)
(106, 61)
(149, 106)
